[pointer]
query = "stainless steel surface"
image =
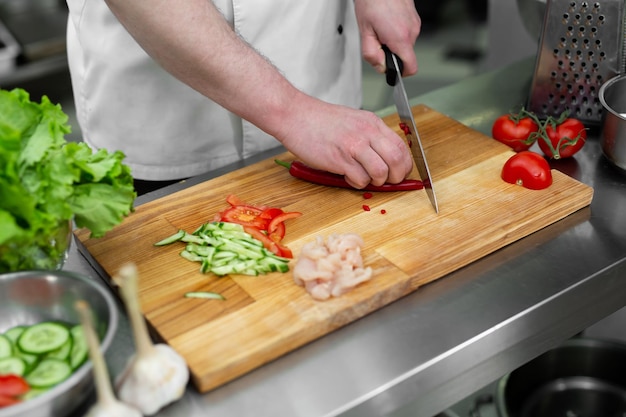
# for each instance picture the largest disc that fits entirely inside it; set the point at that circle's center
(30, 297)
(613, 135)
(580, 48)
(427, 351)
(412, 135)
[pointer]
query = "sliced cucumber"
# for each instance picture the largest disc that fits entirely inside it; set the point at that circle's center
(63, 352)
(80, 351)
(210, 295)
(12, 365)
(14, 333)
(43, 337)
(6, 346)
(226, 248)
(48, 372)
(171, 239)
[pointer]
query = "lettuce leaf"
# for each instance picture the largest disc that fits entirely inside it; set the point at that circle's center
(47, 182)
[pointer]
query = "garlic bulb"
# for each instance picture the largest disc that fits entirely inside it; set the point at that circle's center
(156, 374)
(106, 405)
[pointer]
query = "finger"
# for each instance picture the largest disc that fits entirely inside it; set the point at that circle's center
(357, 176)
(395, 154)
(373, 53)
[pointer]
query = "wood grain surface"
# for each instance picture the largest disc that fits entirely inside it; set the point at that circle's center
(410, 245)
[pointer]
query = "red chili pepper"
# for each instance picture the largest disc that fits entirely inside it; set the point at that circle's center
(405, 128)
(299, 170)
(367, 196)
(366, 207)
(383, 211)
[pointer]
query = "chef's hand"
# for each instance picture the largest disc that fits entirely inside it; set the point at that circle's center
(354, 143)
(394, 23)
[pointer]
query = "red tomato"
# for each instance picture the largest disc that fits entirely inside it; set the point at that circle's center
(528, 169)
(244, 215)
(6, 400)
(13, 385)
(281, 218)
(266, 224)
(519, 133)
(565, 140)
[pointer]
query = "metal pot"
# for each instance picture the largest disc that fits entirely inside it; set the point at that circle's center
(582, 377)
(613, 138)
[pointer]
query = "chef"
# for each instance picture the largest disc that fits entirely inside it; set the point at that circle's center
(186, 87)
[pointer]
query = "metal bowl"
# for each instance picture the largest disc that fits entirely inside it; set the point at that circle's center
(613, 136)
(30, 297)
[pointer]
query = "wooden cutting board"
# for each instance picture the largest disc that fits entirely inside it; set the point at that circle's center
(267, 316)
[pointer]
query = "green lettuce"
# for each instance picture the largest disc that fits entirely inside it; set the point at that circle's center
(47, 182)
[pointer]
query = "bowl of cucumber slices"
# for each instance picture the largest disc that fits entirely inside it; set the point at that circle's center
(44, 362)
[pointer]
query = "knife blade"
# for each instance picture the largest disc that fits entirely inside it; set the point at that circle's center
(394, 79)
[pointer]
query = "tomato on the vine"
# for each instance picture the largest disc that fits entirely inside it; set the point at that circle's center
(518, 131)
(563, 137)
(528, 169)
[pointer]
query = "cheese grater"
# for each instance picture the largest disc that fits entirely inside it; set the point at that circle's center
(581, 46)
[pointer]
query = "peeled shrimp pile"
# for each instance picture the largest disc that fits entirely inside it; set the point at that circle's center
(331, 268)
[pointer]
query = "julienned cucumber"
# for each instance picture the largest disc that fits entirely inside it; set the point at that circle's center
(225, 248)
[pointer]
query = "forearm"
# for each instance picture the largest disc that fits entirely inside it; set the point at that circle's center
(195, 44)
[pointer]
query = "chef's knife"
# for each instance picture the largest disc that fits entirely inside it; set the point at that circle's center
(394, 78)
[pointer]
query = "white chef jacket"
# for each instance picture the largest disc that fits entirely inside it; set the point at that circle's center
(125, 101)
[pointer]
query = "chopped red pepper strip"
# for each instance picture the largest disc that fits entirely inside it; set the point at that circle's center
(367, 196)
(366, 207)
(383, 211)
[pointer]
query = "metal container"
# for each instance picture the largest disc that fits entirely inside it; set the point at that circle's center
(30, 297)
(613, 137)
(582, 377)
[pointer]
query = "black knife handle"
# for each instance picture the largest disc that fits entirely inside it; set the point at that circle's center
(390, 72)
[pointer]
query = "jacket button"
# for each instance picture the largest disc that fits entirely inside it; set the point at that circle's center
(340, 29)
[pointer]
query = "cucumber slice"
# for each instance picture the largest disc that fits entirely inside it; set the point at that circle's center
(43, 337)
(48, 372)
(171, 239)
(12, 365)
(80, 351)
(6, 346)
(14, 333)
(63, 352)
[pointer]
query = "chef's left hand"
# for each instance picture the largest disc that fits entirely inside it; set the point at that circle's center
(394, 23)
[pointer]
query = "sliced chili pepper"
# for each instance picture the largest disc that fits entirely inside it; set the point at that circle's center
(383, 211)
(367, 196)
(366, 207)
(299, 170)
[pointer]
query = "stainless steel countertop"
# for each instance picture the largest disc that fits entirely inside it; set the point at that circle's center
(438, 345)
